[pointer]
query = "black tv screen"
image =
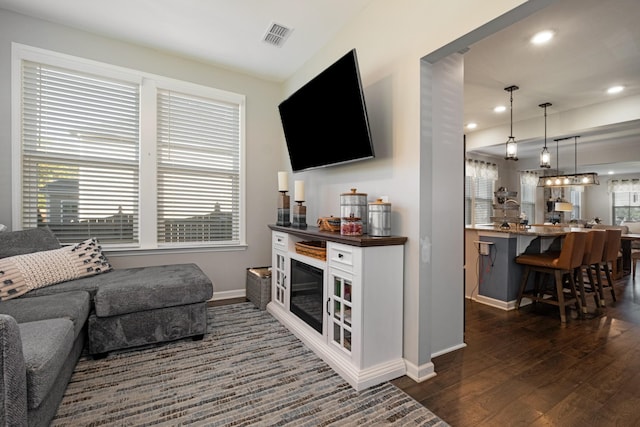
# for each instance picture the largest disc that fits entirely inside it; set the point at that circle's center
(325, 121)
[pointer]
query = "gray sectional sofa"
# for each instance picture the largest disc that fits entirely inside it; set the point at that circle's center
(44, 331)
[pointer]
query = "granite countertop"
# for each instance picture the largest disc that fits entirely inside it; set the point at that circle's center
(535, 230)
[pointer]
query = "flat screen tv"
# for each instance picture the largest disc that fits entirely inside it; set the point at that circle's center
(325, 122)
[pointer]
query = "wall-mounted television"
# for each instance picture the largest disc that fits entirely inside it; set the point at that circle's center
(325, 122)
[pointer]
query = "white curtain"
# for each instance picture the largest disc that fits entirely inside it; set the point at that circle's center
(480, 169)
(624, 185)
(529, 178)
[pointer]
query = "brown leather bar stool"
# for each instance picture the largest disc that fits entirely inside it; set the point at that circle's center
(593, 253)
(609, 260)
(560, 265)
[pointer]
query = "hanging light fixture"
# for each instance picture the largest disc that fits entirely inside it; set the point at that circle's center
(512, 147)
(545, 157)
(567, 180)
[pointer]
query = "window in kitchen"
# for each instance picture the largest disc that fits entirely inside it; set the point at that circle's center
(575, 197)
(625, 198)
(528, 186)
(137, 160)
(480, 179)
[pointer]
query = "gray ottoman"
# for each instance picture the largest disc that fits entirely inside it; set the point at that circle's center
(151, 305)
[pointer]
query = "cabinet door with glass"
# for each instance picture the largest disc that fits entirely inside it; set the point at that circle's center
(280, 278)
(340, 305)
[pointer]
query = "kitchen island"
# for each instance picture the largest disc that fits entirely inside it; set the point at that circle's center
(492, 275)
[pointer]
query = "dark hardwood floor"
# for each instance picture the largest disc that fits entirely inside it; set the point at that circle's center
(523, 368)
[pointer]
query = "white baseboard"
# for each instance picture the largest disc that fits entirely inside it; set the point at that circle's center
(448, 350)
(420, 373)
(503, 305)
(238, 293)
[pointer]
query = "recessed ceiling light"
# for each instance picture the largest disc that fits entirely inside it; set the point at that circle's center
(472, 125)
(500, 109)
(542, 37)
(610, 172)
(615, 89)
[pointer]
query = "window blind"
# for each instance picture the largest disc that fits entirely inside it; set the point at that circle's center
(625, 206)
(575, 197)
(198, 166)
(478, 200)
(528, 187)
(80, 143)
(480, 178)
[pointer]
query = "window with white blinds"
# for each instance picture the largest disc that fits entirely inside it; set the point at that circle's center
(575, 197)
(83, 127)
(478, 200)
(80, 145)
(625, 198)
(528, 188)
(480, 179)
(198, 168)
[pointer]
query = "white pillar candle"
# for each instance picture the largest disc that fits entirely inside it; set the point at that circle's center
(283, 181)
(299, 191)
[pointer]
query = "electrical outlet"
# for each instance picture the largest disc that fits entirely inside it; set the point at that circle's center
(484, 248)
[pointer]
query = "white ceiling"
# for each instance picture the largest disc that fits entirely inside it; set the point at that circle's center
(597, 44)
(226, 33)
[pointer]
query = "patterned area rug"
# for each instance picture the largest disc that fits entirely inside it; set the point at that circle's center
(248, 371)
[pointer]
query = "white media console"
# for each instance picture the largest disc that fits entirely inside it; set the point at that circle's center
(353, 319)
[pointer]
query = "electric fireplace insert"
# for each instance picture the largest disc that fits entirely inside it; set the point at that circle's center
(306, 293)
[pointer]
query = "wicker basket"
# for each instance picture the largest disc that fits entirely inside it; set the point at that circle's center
(314, 249)
(258, 289)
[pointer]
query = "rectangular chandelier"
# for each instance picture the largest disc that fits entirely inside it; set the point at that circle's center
(566, 180)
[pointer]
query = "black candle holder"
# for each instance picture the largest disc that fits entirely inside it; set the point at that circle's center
(283, 210)
(299, 215)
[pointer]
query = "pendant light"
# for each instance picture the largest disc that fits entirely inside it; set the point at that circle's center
(566, 180)
(512, 147)
(545, 157)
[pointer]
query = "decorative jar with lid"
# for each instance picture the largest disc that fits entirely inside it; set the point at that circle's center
(351, 226)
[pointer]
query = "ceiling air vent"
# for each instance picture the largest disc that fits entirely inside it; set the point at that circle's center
(276, 34)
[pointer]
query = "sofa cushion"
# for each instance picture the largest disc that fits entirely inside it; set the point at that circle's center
(27, 241)
(21, 273)
(46, 344)
(147, 288)
(74, 306)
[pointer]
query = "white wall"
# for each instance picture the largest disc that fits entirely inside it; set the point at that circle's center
(226, 269)
(391, 38)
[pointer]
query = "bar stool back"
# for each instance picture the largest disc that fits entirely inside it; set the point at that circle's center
(593, 253)
(560, 265)
(609, 260)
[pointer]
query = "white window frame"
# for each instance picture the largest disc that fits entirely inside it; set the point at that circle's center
(149, 84)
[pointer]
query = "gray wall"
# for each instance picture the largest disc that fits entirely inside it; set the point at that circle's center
(263, 133)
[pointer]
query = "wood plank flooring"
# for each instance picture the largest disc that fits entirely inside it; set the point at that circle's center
(523, 368)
